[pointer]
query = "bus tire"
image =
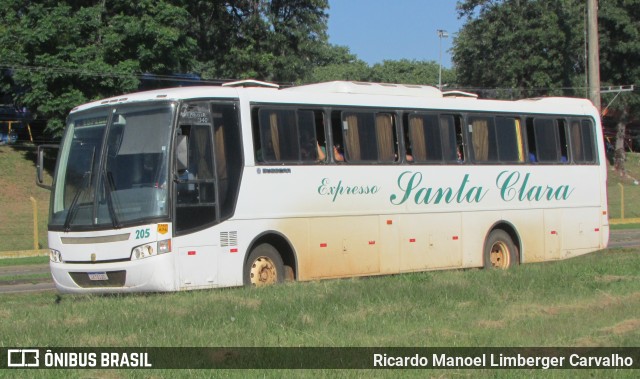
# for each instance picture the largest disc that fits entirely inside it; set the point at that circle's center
(499, 251)
(263, 267)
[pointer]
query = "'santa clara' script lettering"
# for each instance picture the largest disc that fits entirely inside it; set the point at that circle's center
(410, 183)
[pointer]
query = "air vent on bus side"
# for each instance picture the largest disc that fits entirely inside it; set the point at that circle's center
(228, 239)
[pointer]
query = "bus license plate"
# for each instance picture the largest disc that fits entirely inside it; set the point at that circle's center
(98, 276)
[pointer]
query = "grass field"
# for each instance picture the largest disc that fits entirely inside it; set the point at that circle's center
(631, 190)
(593, 300)
(17, 181)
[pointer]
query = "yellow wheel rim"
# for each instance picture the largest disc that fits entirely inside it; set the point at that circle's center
(263, 272)
(500, 257)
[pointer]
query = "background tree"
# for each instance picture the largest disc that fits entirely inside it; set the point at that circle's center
(619, 29)
(338, 63)
(411, 72)
(55, 55)
(524, 48)
(276, 40)
(521, 48)
(64, 53)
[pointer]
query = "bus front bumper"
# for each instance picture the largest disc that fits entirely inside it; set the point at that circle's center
(153, 274)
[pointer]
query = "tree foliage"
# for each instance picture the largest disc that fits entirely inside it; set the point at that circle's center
(537, 47)
(57, 54)
(523, 48)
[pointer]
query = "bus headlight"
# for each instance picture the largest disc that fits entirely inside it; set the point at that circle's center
(150, 249)
(143, 251)
(55, 256)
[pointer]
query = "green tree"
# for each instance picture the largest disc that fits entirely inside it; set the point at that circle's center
(57, 54)
(523, 48)
(275, 40)
(338, 63)
(411, 72)
(520, 48)
(619, 30)
(63, 53)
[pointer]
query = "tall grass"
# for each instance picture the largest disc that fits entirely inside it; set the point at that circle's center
(631, 190)
(592, 300)
(17, 181)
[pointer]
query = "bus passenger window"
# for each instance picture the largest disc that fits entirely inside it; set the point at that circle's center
(386, 137)
(288, 136)
(582, 141)
(483, 139)
(550, 142)
(336, 137)
(564, 144)
(509, 136)
(368, 137)
(425, 136)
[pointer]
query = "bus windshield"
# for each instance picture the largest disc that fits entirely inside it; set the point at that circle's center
(113, 167)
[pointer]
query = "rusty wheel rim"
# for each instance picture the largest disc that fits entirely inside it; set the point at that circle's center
(500, 257)
(263, 272)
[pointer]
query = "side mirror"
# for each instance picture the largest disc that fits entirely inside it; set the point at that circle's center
(40, 166)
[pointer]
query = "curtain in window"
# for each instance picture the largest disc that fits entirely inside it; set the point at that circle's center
(384, 134)
(202, 151)
(576, 141)
(275, 137)
(519, 140)
(448, 135)
(221, 162)
(480, 139)
(352, 147)
(416, 136)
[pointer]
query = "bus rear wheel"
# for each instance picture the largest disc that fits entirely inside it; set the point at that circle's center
(263, 267)
(500, 251)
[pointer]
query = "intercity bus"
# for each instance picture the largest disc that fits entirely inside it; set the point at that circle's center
(250, 184)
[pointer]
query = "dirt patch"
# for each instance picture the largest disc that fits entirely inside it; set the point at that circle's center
(491, 324)
(613, 278)
(624, 327)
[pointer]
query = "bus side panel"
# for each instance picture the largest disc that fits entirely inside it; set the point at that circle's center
(430, 241)
(552, 233)
(529, 225)
(581, 227)
(343, 246)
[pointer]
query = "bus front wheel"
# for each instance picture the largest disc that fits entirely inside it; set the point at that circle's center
(263, 267)
(500, 251)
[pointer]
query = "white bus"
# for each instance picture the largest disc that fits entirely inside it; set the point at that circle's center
(242, 184)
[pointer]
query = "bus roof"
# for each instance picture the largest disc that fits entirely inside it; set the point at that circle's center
(345, 93)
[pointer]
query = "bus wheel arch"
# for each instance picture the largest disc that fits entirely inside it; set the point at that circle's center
(501, 247)
(269, 244)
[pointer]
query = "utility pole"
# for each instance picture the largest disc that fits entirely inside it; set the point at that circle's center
(441, 34)
(594, 53)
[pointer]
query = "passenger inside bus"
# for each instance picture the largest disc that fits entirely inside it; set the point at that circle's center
(338, 156)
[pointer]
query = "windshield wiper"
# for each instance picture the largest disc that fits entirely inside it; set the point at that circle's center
(73, 207)
(109, 187)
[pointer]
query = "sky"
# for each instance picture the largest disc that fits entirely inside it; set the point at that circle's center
(377, 30)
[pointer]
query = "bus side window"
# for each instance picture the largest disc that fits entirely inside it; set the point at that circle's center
(483, 139)
(550, 140)
(582, 141)
(369, 137)
(337, 139)
(425, 135)
(452, 139)
(509, 136)
(564, 142)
